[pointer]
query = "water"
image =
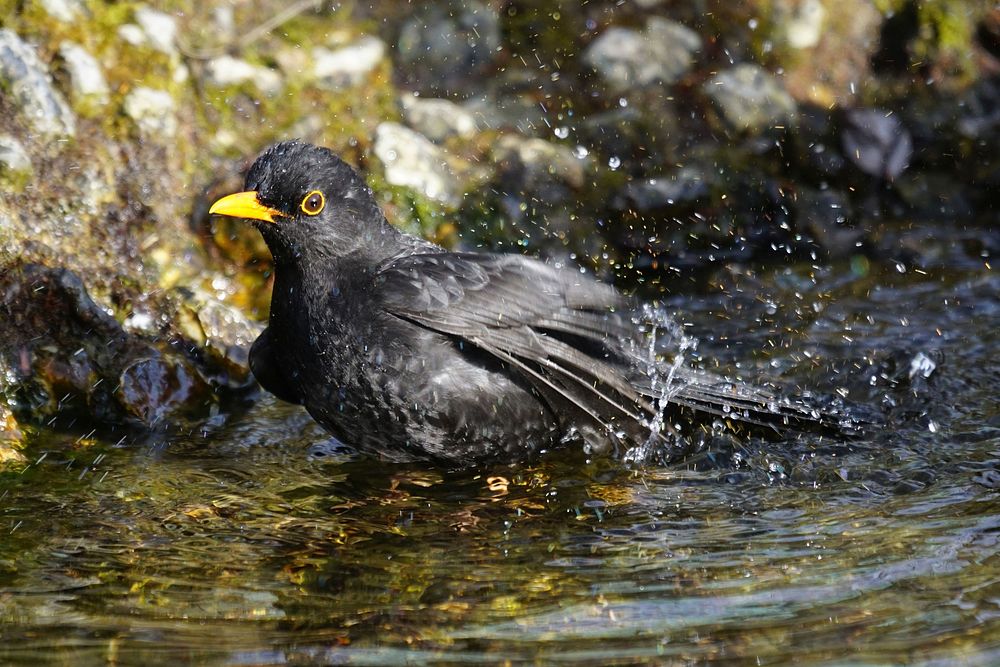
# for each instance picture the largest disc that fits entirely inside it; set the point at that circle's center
(254, 540)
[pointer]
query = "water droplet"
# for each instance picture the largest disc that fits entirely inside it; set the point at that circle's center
(614, 162)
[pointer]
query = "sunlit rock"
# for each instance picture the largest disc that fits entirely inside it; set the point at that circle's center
(15, 163)
(660, 53)
(64, 11)
(802, 22)
(437, 119)
(25, 81)
(159, 28)
(87, 83)
(153, 111)
(227, 71)
(348, 65)
(11, 438)
(412, 160)
(750, 99)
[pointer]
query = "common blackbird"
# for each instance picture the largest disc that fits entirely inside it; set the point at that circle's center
(407, 351)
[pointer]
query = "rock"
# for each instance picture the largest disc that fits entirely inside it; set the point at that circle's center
(750, 99)
(24, 79)
(437, 119)
(537, 168)
(349, 65)
(801, 22)
(64, 11)
(445, 45)
(226, 71)
(87, 82)
(684, 186)
(826, 216)
(153, 111)
(132, 34)
(659, 54)
(877, 143)
(154, 387)
(11, 438)
(980, 110)
(411, 160)
(160, 29)
(15, 164)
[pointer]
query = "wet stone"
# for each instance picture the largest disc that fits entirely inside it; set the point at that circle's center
(226, 71)
(349, 65)
(445, 45)
(438, 119)
(87, 82)
(684, 186)
(153, 388)
(25, 79)
(750, 99)
(412, 160)
(877, 143)
(153, 111)
(11, 438)
(538, 168)
(15, 163)
(661, 53)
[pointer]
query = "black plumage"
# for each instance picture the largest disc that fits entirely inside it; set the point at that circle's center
(407, 351)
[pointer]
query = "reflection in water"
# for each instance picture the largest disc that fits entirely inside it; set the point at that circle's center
(254, 539)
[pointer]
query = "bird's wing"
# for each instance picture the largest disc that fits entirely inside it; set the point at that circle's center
(576, 340)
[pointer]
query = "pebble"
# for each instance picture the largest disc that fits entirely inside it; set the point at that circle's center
(661, 53)
(227, 71)
(349, 65)
(86, 77)
(15, 163)
(64, 11)
(153, 111)
(159, 28)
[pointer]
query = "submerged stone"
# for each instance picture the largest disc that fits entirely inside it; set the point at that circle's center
(26, 82)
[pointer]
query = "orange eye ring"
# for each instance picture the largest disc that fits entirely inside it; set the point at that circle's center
(313, 203)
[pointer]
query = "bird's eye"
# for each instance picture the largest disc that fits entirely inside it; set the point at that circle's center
(313, 203)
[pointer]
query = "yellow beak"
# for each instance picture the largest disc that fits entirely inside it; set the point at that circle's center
(244, 205)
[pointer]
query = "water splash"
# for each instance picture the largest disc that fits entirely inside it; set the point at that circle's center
(665, 339)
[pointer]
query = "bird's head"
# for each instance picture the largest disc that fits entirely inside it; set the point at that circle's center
(306, 201)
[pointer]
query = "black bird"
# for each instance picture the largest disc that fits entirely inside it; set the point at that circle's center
(407, 351)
